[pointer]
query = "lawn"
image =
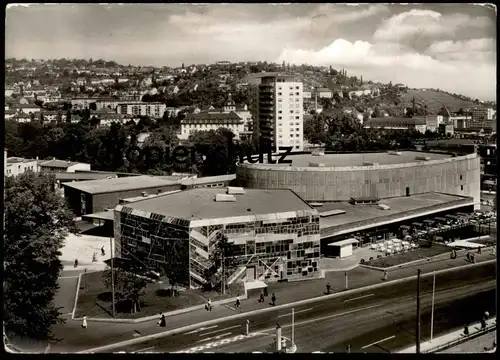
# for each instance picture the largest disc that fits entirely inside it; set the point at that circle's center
(94, 299)
(402, 258)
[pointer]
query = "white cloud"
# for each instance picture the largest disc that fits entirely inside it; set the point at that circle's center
(360, 53)
(393, 62)
(425, 23)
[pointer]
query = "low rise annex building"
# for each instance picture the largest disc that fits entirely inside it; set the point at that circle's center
(275, 233)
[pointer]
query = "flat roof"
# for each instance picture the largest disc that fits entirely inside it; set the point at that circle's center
(357, 159)
(344, 242)
(199, 204)
(361, 212)
(58, 163)
(119, 184)
(82, 176)
(207, 180)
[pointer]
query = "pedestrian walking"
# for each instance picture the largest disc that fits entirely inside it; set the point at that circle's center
(479, 250)
(237, 301)
(486, 315)
(466, 330)
(209, 305)
(102, 251)
(273, 299)
(84, 322)
(163, 321)
(468, 256)
(265, 291)
(76, 262)
(94, 257)
(483, 323)
(328, 287)
(261, 299)
(385, 275)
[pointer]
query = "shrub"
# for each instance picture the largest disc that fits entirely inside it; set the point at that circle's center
(379, 256)
(362, 261)
(371, 258)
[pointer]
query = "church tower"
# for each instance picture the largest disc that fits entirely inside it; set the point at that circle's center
(229, 105)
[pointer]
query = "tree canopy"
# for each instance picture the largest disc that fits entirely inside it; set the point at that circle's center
(36, 222)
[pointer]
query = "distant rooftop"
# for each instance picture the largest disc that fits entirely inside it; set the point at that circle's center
(198, 204)
(55, 163)
(17, 160)
(119, 184)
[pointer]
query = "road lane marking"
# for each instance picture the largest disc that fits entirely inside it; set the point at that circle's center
(333, 316)
(296, 312)
(378, 342)
(202, 348)
(222, 335)
(215, 331)
(145, 349)
(68, 277)
(201, 329)
(359, 297)
(215, 337)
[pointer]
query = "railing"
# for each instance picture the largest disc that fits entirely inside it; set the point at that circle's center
(462, 339)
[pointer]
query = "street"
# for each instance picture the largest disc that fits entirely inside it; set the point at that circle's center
(360, 318)
(74, 338)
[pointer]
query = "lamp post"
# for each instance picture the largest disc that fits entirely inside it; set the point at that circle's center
(293, 327)
(346, 281)
(418, 313)
(112, 275)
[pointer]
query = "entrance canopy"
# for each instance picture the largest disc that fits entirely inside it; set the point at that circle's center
(104, 215)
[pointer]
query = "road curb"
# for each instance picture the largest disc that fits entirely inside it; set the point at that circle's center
(274, 308)
(167, 314)
(76, 296)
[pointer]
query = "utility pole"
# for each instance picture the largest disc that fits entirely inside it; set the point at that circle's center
(223, 285)
(418, 312)
(293, 327)
(346, 283)
(432, 309)
(112, 275)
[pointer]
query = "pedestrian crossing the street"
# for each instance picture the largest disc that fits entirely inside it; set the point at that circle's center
(208, 346)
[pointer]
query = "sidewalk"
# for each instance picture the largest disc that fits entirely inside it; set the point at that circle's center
(481, 344)
(453, 337)
(82, 247)
(103, 333)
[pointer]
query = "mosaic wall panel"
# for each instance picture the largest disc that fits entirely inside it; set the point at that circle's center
(154, 240)
(288, 257)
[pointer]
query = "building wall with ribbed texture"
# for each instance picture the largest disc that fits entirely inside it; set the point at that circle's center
(458, 176)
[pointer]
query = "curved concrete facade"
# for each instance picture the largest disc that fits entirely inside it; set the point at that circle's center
(452, 175)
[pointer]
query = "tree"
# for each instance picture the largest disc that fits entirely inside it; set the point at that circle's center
(129, 286)
(36, 222)
(222, 261)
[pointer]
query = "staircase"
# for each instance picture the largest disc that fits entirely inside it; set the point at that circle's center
(237, 275)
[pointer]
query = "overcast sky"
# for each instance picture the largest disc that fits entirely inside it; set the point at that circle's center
(446, 46)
